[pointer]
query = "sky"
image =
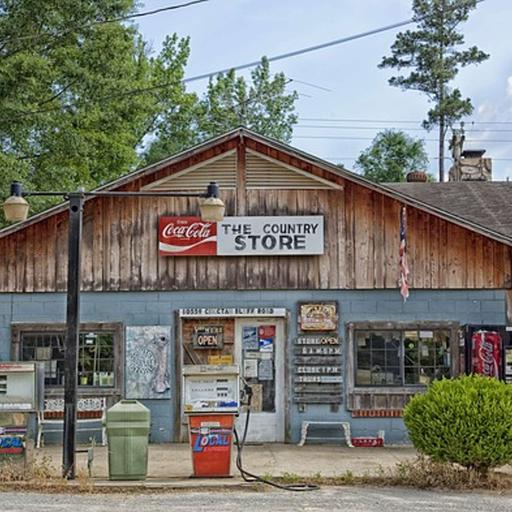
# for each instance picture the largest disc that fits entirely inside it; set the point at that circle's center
(225, 33)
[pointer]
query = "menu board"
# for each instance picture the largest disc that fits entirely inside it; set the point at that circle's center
(317, 369)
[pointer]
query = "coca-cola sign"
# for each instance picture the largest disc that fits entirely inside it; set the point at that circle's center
(187, 236)
(242, 236)
(486, 353)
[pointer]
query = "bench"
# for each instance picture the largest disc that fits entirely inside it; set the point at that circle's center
(344, 425)
(88, 411)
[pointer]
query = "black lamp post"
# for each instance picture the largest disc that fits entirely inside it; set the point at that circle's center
(16, 210)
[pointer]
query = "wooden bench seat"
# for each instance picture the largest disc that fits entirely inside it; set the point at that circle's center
(88, 411)
(344, 425)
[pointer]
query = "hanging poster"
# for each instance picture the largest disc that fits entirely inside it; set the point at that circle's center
(250, 338)
(322, 316)
(266, 336)
(147, 362)
(266, 369)
(251, 368)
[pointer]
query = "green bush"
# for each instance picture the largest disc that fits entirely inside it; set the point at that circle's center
(467, 420)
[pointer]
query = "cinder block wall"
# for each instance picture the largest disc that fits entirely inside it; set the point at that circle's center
(158, 308)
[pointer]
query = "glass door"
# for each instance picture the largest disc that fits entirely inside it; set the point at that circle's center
(260, 354)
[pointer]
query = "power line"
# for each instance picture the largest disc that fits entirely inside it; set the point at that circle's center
(389, 158)
(316, 86)
(302, 51)
(155, 11)
(321, 46)
(508, 141)
(242, 66)
(471, 130)
(114, 20)
(384, 121)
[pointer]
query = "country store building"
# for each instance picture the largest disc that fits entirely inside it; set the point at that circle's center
(298, 285)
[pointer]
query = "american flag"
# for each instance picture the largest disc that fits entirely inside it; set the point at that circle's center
(404, 267)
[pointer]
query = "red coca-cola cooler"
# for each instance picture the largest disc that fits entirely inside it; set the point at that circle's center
(488, 351)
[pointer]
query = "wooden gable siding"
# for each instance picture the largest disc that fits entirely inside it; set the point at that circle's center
(120, 246)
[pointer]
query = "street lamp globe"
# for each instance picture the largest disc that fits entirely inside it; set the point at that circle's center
(15, 208)
(212, 209)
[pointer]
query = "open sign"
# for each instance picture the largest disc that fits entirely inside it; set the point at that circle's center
(208, 337)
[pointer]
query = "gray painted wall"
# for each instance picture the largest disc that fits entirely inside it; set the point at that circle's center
(157, 308)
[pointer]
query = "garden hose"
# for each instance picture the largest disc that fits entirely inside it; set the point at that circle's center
(249, 477)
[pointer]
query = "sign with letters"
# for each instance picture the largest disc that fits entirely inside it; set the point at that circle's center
(208, 337)
(318, 374)
(231, 312)
(321, 316)
(242, 236)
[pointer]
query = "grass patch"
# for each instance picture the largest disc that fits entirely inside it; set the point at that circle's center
(39, 474)
(420, 473)
(424, 473)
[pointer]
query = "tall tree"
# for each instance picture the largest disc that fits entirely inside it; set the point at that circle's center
(433, 54)
(263, 105)
(77, 94)
(391, 155)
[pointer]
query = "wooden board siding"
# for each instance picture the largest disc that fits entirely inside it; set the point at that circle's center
(120, 245)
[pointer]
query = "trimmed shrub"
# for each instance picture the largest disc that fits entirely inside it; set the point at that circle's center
(467, 421)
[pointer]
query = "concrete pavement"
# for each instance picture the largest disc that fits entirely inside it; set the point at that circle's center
(173, 461)
(353, 499)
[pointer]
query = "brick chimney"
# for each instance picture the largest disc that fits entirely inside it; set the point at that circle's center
(468, 164)
(416, 177)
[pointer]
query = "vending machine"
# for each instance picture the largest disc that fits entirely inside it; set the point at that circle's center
(21, 394)
(488, 351)
(211, 399)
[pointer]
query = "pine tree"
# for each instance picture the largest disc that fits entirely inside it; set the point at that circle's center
(433, 54)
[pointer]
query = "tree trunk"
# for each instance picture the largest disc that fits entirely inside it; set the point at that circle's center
(441, 149)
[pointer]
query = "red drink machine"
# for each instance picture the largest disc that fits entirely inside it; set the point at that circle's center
(488, 351)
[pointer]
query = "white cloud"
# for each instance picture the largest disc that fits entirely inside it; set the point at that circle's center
(509, 86)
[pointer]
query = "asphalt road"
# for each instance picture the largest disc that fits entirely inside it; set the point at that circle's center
(350, 499)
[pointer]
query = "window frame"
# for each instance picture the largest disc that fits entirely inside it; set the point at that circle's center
(18, 329)
(402, 366)
(351, 361)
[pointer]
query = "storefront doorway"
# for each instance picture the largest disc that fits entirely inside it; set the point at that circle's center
(252, 338)
(260, 353)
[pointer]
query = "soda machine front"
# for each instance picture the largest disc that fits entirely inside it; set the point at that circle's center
(488, 351)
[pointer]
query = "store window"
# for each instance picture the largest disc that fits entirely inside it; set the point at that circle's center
(401, 357)
(99, 353)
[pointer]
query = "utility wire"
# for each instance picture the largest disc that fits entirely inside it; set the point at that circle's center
(255, 63)
(302, 51)
(155, 11)
(321, 46)
(394, 121)
(113, 20)
(391, 158)
(470, 130)
(508, 141)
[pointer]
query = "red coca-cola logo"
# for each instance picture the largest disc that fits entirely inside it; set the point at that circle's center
(486, 353)
(187, 236)
(194, 230)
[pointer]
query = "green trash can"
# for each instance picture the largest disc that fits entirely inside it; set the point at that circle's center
(127, 424)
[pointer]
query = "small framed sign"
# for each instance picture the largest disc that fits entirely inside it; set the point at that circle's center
(208, 337)
(319, 316)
